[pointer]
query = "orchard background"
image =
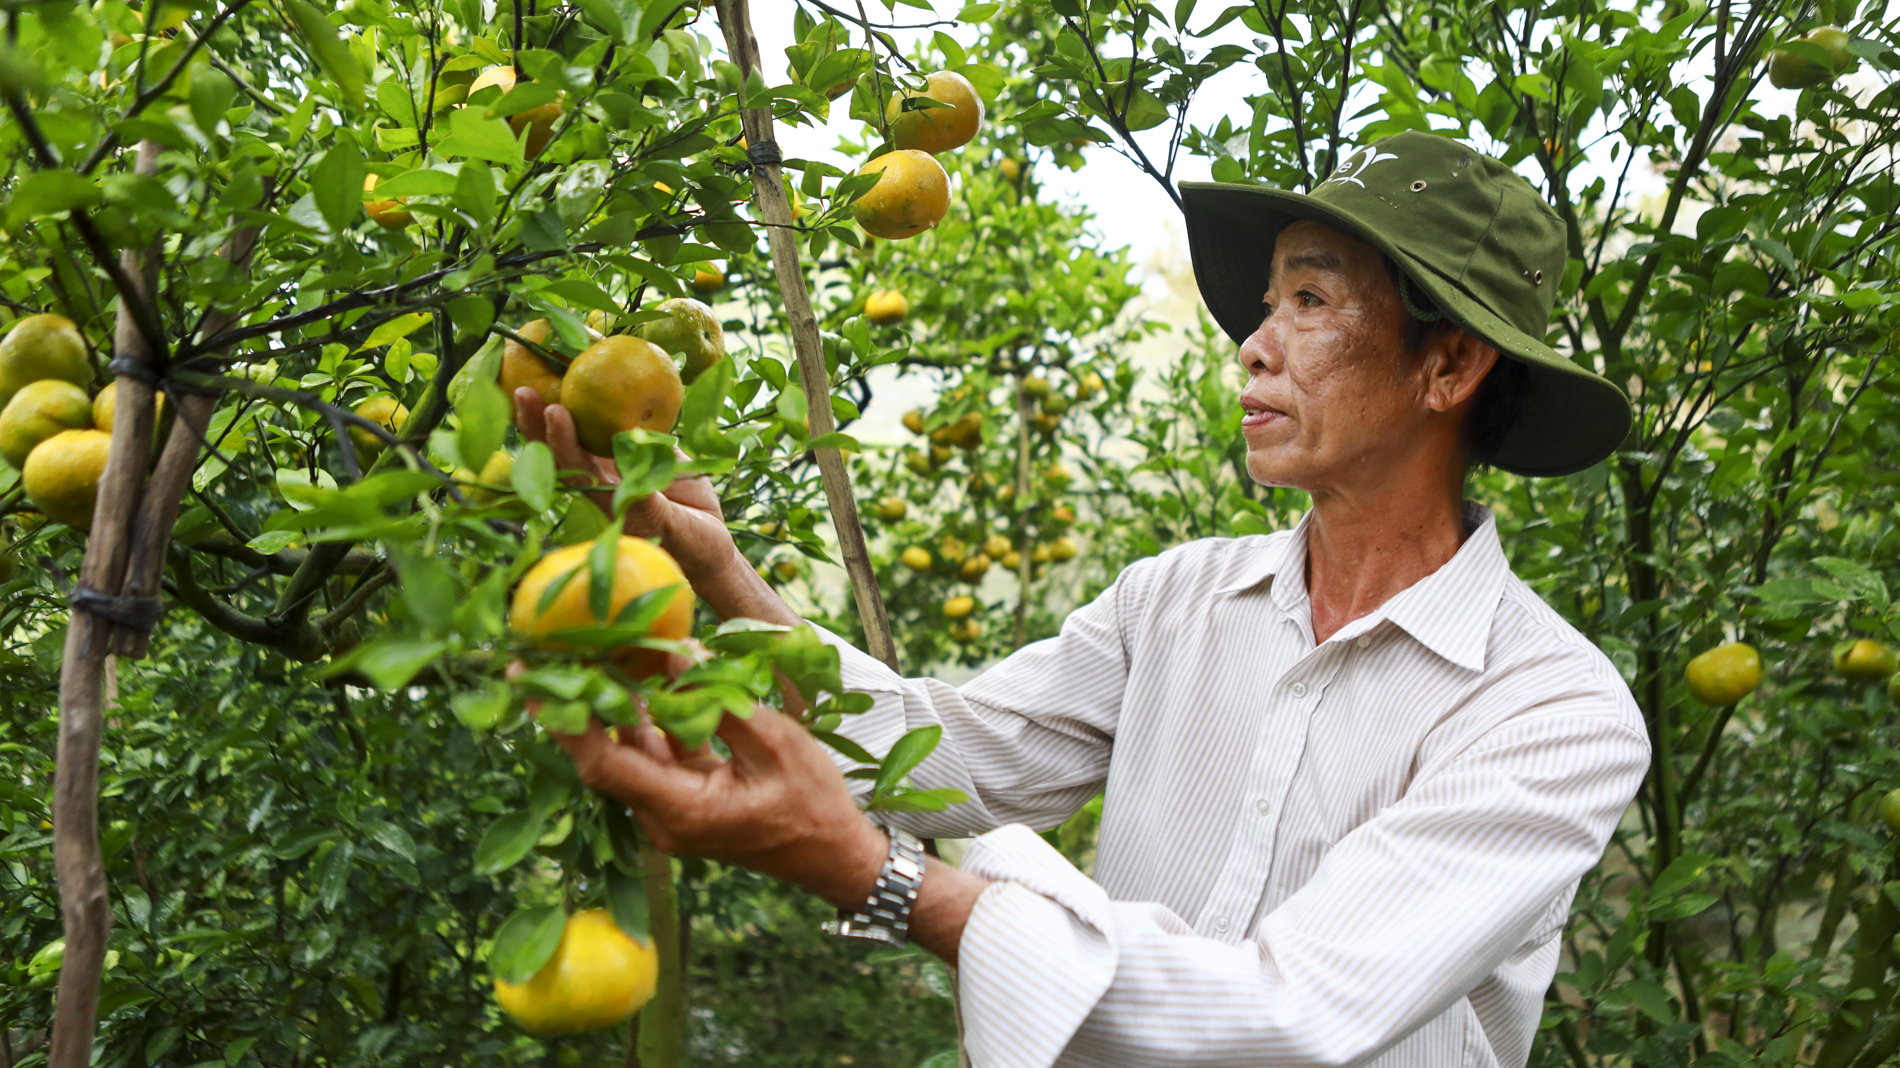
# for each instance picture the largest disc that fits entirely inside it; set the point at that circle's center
(319, 805)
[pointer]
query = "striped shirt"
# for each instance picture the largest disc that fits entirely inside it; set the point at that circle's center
(1356, 852)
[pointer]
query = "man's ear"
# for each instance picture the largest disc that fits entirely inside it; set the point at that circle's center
(1455, 364)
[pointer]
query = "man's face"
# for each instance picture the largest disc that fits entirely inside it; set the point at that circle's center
(1331, 397)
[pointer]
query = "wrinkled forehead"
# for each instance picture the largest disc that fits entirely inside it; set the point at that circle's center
(1304, 244)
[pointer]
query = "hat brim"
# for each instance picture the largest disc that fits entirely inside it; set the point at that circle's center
(1571, 418)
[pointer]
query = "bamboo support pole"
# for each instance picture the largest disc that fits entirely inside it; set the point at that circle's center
(85, 905)
(776, 212)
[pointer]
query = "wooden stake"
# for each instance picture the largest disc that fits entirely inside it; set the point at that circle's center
(84, 903)
(776, 212)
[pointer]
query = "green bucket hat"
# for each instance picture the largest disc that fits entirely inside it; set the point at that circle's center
(1466, 232)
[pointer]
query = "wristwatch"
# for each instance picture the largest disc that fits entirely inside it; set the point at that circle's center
(886, 916)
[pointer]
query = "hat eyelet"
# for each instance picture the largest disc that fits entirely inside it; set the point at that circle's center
(1418, 186)
(1537, 278)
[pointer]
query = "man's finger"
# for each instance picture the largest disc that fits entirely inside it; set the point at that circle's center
(626, 773)
(528, 414)
(568, 454)
(755, 741)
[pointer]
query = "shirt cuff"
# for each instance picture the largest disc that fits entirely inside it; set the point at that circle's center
(860, 670)
(1037, 954)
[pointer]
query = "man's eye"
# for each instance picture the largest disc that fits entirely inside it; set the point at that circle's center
(1266, 311)
(1308, 300)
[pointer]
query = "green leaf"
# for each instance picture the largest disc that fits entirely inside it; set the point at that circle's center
(330, 51)
(396, 101)
(336, 185)
(525, 942)
(390, 663)
(846, 746)
(485, 414)
(274, 541)
(393, 329)
(699, 414)
(601, 573)
(334, 876)
(975, 13)
(419, 182)
(906, 754)
(480, 710)
(1862, 583)
(392, 838)
(44, 193)
(627, 903)
(211, 93)
(506, 841)
(837, 439)
(475, 191)
(533, 476)
(474, 135)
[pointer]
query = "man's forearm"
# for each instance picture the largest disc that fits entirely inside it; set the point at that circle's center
(734, 590)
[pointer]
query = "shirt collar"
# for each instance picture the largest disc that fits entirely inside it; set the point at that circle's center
(1448, 611)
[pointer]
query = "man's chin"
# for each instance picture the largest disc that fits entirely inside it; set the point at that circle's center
(1273, 469)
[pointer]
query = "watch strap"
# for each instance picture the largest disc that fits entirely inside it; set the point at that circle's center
(885, 917)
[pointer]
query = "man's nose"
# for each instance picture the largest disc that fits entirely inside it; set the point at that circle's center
(1264, 349)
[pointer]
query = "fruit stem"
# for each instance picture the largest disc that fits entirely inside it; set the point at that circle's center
(545, 353)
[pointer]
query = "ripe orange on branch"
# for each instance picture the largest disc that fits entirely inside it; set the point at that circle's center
(598, 976)
(886, 306)
(912, 195)
(1725, 674)
(39, 411)
(62, 474)
(42, 346)
(936, 129)
(639, 567)
(621, 383)
(388, 214)
(538, 121)
(521, 367)
(691, 331)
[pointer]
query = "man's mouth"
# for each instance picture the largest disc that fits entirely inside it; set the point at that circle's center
(1259, 415)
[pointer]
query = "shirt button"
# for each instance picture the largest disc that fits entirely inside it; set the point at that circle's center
(1364, 640)
(1220, 924)
(1299, 689)
(1262, 806)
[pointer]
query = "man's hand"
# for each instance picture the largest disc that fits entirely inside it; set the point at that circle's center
(685, 516)
(778, 806)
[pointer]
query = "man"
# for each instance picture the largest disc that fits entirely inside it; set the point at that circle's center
(1353, 771)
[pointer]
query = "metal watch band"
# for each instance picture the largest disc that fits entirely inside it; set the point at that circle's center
(886, 916)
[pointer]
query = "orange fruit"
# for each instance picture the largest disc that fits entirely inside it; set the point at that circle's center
(892, 509)
(1866, 660)
(382, 409)
(691, 331)
(598, 976)
(620, 383)
(538, 121)
(936, 130)
(996, 546)
(42, 346)
(1063, 548)
(706, 281)
(914, 420)
(37, 412)
(388, 214)
(917, 558)
(886, 306)
(958, 607)
(974, 566)
(911, 195)
(966, 630)
(521, 367)
(639, 567)
(62, 474)
(1725, 674)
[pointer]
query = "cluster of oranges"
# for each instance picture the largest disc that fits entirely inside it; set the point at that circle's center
(51, 430)
(912, 191)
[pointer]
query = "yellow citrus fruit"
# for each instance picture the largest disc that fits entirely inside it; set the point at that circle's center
(689, 331)
(952, 548)
(1088, 386)
(786, 570)
(1063, 548)
(42, 346)
(1791, 70)
(966, 432)
(974, 566)
(917, 461)
(1725, 674)
(106, 405)
(620, 383)
(491, 483)
(997, 546)
(1010, 170)
(911, 195)
(639, 567)
(1046, 424)
(62, 473)
(706, 281)
(521, 367)
(892, 509)
(917, 558)
(1012, 561)
(1062, 514)
(388, 214)
(1036, 386)
(387, 412)
(538, 121)
(958, 607)
(886, 306)
(599, 322)
(1057, 475)
(37, 412)
(1055, 404)
(966, 630)
(1865, 660)
(598, 976)
(1039, 554)
(914, 420)
(939, 455)
(936, 129)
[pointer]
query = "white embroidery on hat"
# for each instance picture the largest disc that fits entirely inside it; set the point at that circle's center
(1356, 165)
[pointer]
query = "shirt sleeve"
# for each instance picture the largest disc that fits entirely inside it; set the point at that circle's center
(1028, 740)
(1406, 915)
